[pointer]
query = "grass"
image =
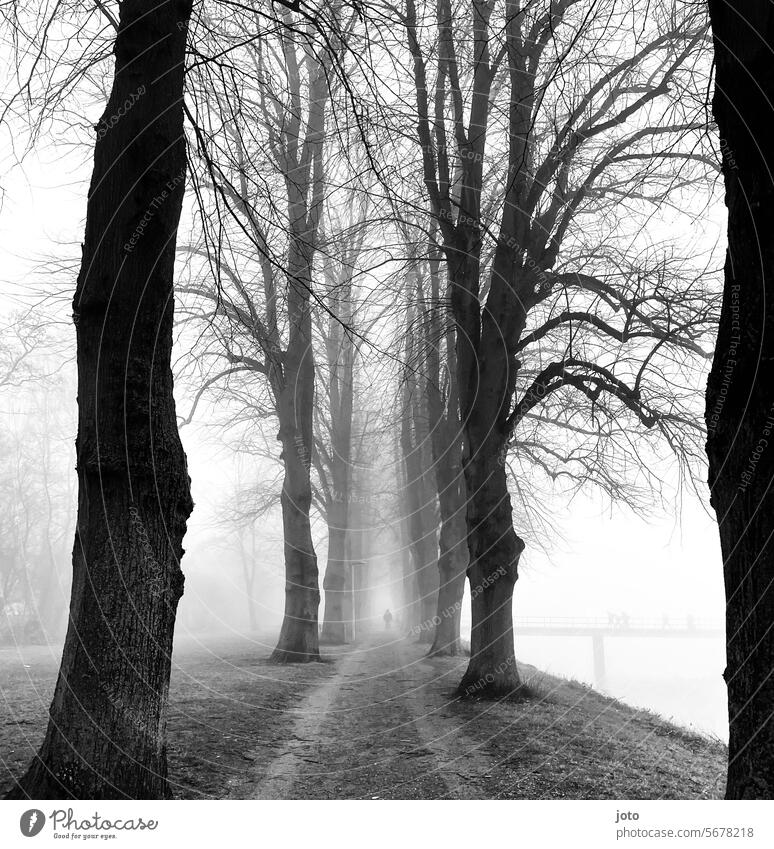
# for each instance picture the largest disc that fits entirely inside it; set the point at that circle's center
(228, 705)
(568, 741)
(230, 708)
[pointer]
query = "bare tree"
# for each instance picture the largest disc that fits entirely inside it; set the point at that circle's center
(254, 288)
(530, 125)
(107, 732)
(37, 500)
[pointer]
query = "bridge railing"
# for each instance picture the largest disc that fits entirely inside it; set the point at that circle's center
(620, 621)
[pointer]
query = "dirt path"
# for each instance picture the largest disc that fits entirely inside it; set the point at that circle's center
(379, 728)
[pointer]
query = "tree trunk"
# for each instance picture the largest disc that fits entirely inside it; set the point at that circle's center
(452, 564)
(486, 375)
(427, 578)
(336, 585)
(446, 439)
(411, 615)
(740, 420)
(494, 551)
(340, 351)
(298, 640)
(424, 550)
(252, 616)
(410, 612)
(107, 733)
(417, 456)
(304, 184)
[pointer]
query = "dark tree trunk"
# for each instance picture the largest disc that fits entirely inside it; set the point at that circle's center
(304, 184)
(486, 373)
(494, 551)
(740, 390)
(107, 734)
(299, 639)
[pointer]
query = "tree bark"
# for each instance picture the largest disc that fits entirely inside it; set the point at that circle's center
(410, 613)
(421, 505)
(358, 554)
(446, 441)
(340, 352)
(304, 185)
(486, 373)
(336, 586)
(299, 639)
(452, 565)
(739, 413)
(494, 551)
(107, 732)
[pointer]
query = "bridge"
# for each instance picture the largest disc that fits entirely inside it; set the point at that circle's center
(616, 625)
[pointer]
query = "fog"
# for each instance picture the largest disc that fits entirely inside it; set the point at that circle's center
(599, 560)
(607, 562)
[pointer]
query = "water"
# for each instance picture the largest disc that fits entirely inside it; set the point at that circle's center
(679, 678)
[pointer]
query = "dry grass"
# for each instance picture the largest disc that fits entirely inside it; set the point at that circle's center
(571, 742)
(226, 699)
(230, 709)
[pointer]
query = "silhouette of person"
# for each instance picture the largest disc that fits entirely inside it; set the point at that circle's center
(387, 619)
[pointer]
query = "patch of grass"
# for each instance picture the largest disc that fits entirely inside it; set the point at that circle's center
(569, 741)
(228, 710)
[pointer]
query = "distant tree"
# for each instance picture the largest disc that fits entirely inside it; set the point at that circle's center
(446, 439)
(260, 129)
(739, 414)
(106, 736)
(238, 518)
(411, 607)
(37, 501)
(333, 455)
(419, 478)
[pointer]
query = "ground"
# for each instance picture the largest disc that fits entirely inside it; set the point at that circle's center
(378, 720)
